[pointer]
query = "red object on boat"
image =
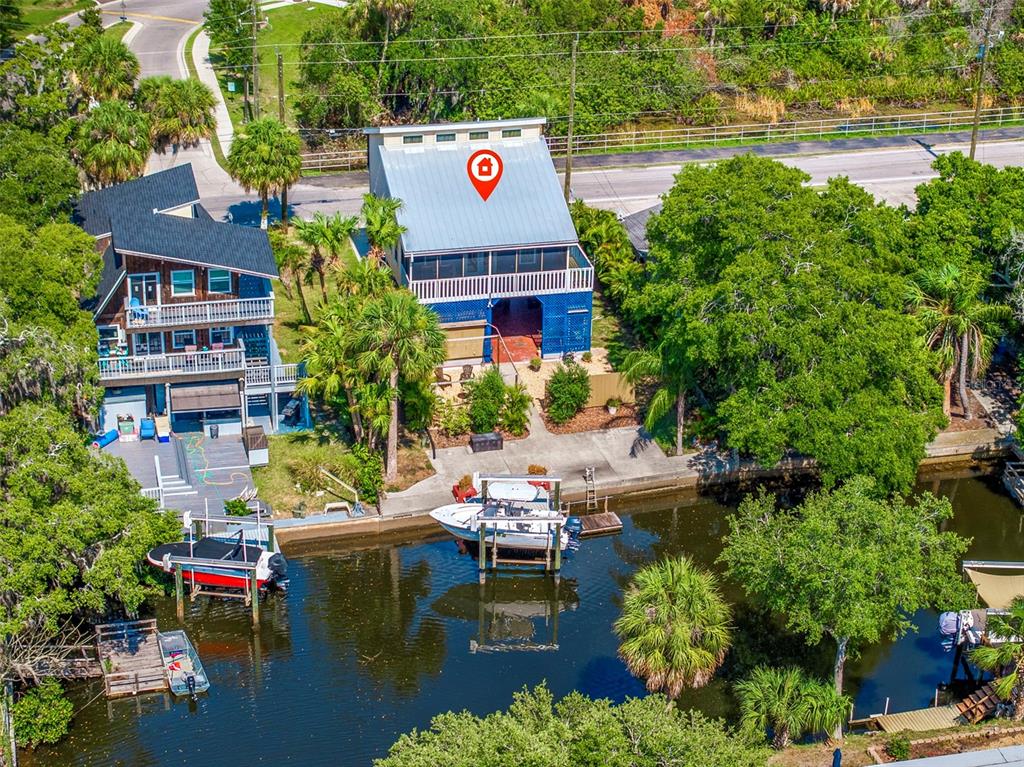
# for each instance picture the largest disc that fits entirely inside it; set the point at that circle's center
(463, 495)
(542, 485)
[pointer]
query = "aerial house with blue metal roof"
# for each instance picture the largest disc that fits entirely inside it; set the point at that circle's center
(502, 260)
(184, 310)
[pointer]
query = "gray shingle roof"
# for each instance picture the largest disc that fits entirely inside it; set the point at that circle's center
(636, 227)
(194, 240)
(110, 277)
(127, 211)
(169, 188)
(443, 212)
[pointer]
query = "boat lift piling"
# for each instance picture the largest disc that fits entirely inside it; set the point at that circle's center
(552, 562)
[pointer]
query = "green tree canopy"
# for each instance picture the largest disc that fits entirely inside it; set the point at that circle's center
(106, 68)
(75, 529)
(789, 306)
(113, 143)
(575, 732)
(847, 563)
(38, 183)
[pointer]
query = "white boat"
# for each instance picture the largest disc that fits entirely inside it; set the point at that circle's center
(511, 525)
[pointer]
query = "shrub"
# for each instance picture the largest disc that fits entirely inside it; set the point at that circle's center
(419, 403)
(535, 364)
(588, 357)
(515, 411)
(306, 472)
(369, 472)
(486, 400)
(613, 402)
(452, 419)
(898, 747)
(236, 508)
(536, 469)
(42, 715)
(567, 392)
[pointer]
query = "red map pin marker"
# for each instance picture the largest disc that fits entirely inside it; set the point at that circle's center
(484, 169)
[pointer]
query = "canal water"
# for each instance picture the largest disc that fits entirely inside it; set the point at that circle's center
(371, 642)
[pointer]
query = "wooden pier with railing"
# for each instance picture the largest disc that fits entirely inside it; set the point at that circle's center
(1013, 480)
(129, 655)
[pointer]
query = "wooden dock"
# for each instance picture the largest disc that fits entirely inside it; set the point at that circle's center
(605, 523)
(920, 720)
(1013, 480)
(130, 657)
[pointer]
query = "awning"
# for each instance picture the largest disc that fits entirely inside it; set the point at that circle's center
(996, 590)
(192, 399)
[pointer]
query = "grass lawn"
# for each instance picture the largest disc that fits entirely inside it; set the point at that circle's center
(284, 28)
(325, 445)
(36, 14)
(117, 31)
(608, 331)
(288, 320)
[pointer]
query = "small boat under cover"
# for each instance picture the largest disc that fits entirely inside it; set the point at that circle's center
(271, 568)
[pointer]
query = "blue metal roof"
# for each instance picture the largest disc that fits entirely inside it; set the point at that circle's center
(443, 212)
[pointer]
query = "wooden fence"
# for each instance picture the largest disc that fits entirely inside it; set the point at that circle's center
(605, 386)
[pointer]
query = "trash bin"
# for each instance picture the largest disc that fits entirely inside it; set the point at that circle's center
(482, 443)
(214, 430)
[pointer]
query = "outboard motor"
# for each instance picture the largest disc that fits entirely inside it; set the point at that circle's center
(190, 682)
(278, 567)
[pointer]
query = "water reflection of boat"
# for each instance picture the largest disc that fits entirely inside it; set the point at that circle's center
(509, 611)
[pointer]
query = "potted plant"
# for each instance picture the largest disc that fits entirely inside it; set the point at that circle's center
(535, 364)
(613, 405)
(588, 357)
(463, 490)
(536, 470)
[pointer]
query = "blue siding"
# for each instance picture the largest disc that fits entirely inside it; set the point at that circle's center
(566, 323)
(466, 311)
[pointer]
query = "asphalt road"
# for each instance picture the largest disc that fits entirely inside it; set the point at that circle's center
(890, 173)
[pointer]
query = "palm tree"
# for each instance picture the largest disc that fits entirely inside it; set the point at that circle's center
(382, 228)
(1006, 658)
(265, 157)
(328, 236)
(675, 629)
(400, 338)
(960, 324)
(329, 355)
(292, 260)
(113, 143)
(149, 90)
(719, 12)
(106, 69)
(789, 704)
(668, 367)
(182, 113)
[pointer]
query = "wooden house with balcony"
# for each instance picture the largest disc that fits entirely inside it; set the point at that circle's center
(508, 264)
(184, 310)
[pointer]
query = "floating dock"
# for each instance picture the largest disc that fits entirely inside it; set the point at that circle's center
(130, 658)
(605, 523)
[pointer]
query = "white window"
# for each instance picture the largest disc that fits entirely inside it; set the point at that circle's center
(183, 282)
(218, 281)
(149, 343)
(111, 337)
(224, 336)
(144, 289)
(182, 338)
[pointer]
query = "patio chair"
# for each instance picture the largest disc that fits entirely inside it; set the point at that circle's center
(147, 429)
(217, 347)
(466, 374)
(441, 378)
(136, 311)
(191, 348)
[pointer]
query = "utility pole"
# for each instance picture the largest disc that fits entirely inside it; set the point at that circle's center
(572, 116)
(255, 62)
(280, 86)
(979, 89)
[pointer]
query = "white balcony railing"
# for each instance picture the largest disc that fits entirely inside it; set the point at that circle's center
(504, 285)
(201, 313)
(283, 375)
(175, 364)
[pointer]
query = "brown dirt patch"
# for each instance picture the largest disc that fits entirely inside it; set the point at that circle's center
(595, 419)
(980, 420)
(413, 465)
(443, 440)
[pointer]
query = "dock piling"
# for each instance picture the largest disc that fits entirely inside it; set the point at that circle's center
(179, 593)
(254, 591)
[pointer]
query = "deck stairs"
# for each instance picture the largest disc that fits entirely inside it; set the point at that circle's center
(178, 482)
(978, 704)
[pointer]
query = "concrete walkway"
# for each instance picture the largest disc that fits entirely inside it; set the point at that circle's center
(993, 757)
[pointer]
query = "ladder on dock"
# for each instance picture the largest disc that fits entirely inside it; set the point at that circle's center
(130, 657)
(1013, 480)
(588, 478)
